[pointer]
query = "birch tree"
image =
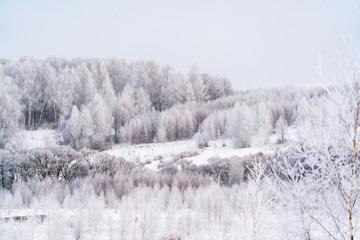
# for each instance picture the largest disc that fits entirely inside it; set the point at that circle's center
(10, 109)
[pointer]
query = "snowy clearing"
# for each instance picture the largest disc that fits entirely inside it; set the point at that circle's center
(40, 138)
(154, 153)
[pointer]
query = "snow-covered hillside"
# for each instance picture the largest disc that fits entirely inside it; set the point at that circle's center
(211, 186)
(151, 155)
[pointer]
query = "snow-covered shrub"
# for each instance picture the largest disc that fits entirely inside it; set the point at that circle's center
(60, 163)
(7, 169)
(168, 168)
(103, 163)
(257, 199)
(224, 171)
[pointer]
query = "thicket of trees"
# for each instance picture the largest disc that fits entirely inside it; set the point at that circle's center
(64, 164)
(58, 163)
(106, 94)
(251, 117)
(97, 102)
(10, 109)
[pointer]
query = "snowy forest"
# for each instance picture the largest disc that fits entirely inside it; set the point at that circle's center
(117, 101)
(106, 149)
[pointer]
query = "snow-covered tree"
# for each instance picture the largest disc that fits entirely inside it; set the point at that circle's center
(102, 120)
(189, 92)
(72, 130)
(303, 111)
(107, 92)
(25, 79)
(86, 126)
(79, 128)
(242, 125)
(148, 75)
(323, 156)
(128, 103)
(117, 114)
(197, 83)
(143, 104)
(264, 127)
(123, 110)
(85, 85)
(280, 130)
(257, 200)
(10, 109)
(173, 89)
(120, 74)
(62, 94)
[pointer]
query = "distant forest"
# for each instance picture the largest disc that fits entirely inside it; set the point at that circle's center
(97, 102)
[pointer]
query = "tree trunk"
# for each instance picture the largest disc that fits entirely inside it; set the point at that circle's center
(41, 114)
(116, 128)
(29, 120)
(353, 184)
(55, 119)
(2, 174)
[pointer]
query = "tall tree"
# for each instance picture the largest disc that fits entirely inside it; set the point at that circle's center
(10, 109)
(143, 104)
(102, 120)
(197, 83)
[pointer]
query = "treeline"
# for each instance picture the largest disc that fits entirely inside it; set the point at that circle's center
(250, 118)
(107, 93)
(97, 102)
(257, 117)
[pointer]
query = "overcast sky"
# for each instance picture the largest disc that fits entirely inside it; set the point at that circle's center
(253, 43)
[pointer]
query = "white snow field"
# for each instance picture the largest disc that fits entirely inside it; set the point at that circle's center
(154, 153)
(40, 138)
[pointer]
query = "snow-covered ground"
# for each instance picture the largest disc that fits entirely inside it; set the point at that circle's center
(154, 153)
(35, 139)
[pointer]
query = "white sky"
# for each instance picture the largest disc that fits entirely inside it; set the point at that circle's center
(254, 43)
